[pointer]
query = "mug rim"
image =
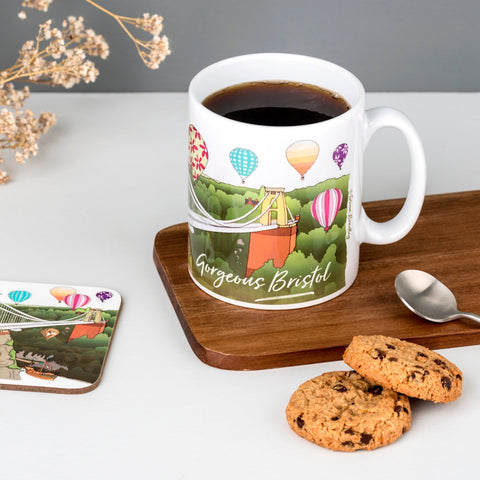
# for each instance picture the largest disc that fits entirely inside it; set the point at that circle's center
(199, 77)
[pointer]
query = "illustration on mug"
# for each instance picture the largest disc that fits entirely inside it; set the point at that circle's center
(267, 246)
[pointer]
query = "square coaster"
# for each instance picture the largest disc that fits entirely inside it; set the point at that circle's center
(53, 337)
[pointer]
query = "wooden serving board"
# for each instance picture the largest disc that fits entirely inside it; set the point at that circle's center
(444, 242)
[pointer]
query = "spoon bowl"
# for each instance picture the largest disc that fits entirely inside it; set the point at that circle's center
(428, 298)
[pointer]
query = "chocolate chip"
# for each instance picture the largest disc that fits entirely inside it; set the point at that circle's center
(349, 431)
(300, 421)
(446, 383)
(365, 439)
(399, 409)
(334, 419)
(391, 347)
(440, 363)
(458, 376)
(375, 389)
(380, 354)
(420, 374)
(340, 388)
(421, 355)
(347, 444)
(392, 359)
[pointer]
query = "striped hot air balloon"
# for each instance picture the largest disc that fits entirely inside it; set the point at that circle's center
(19, 296)
(326, 206)
(244, 162)
(61, 292)
(76, 300)
(302, 155)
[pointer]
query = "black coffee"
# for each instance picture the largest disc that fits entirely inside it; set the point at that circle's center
(278, 103)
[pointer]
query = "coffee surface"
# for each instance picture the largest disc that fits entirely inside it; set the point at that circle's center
(276, 103)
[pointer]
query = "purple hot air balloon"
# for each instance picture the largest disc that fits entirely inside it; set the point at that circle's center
(339, 154)
(76, 300)
(104, 295)
(326, 206)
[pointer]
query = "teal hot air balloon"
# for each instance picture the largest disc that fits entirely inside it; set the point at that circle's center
(19, 296)
(244, 162)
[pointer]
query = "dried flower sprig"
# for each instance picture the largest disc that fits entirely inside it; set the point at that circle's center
(56, 57)
(60, 57)
(152, 52)
(19, 128)
(41, 5)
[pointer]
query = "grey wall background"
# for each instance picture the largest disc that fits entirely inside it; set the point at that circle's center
(391, 45)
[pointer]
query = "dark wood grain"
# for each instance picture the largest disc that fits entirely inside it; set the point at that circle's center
(445, 242)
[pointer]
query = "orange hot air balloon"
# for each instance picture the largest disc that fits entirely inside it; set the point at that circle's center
(61, 292)
(302, 155)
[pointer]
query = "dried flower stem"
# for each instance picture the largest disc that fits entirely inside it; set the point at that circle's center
(152, 52)
(60, 57)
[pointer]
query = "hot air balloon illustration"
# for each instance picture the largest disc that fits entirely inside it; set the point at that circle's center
(102, 296)
(49, 333)
(61, 292)
(76, 300)
(244, 162)
(19, 296)
(198, 152)
(339, 154)
(326, 206)
(302, 155)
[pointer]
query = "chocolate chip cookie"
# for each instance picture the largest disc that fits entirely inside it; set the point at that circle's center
(405, 367)
(344, 411)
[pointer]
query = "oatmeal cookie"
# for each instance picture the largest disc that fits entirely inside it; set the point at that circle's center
(344, 411)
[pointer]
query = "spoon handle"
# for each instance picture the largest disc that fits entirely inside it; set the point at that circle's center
(471, 316)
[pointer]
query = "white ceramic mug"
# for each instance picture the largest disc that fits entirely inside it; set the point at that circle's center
(263, 234)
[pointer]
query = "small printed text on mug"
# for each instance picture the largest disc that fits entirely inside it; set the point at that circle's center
(281, 280)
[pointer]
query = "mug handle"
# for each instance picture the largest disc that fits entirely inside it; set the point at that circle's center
(396, 228)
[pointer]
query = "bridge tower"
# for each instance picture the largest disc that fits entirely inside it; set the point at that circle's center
(279, 206)
(97, 318)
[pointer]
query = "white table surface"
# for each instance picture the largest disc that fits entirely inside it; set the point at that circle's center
(85, 212)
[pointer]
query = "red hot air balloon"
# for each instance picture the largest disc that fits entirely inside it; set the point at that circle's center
(326, 206)
(198, 152)
(76, 300)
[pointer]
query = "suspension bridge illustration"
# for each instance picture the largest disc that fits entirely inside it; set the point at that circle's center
(13, 319)
(272, 202)
(272, 231)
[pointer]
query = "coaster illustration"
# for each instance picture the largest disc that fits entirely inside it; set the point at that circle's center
(55, 338)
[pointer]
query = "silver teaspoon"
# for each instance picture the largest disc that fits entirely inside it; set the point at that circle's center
(429, 298)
